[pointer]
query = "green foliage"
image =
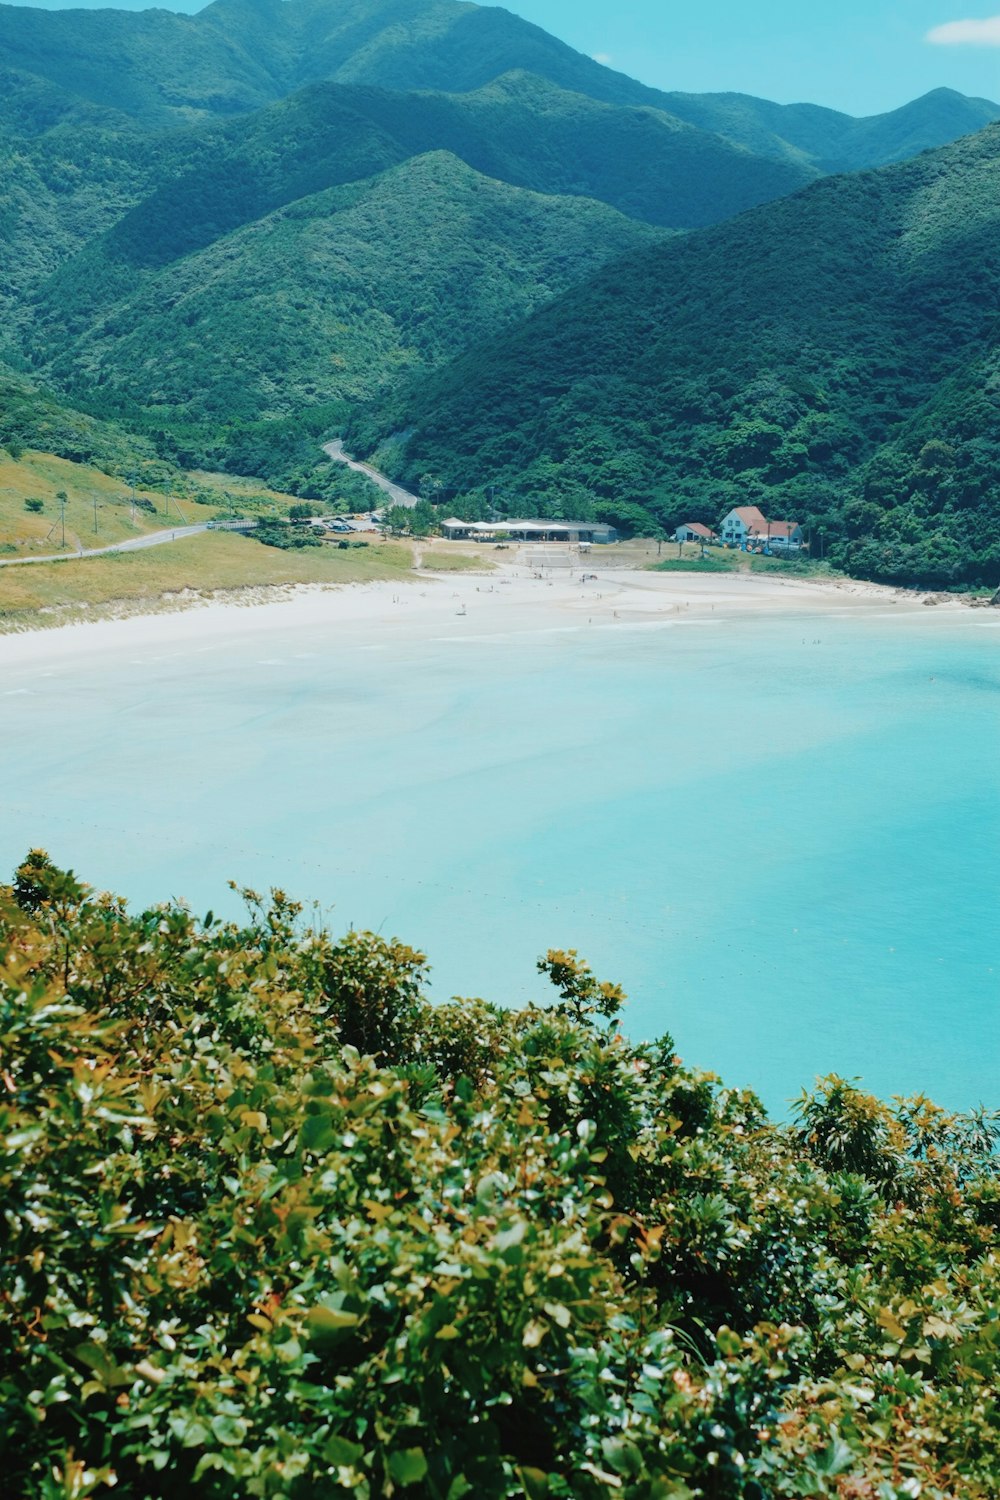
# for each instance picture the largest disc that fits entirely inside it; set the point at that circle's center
(830, 358)
(274, 1225)
(327, 301)
(285, 535)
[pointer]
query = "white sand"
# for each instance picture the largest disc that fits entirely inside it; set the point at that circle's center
(509, 599)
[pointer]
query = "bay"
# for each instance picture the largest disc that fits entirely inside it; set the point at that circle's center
(779, 832)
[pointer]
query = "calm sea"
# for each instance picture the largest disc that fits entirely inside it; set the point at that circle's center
(781, 835)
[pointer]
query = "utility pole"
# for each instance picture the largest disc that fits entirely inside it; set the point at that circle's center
(95, 515)
(62, 502)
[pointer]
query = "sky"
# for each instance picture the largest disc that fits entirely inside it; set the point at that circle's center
(862, 56)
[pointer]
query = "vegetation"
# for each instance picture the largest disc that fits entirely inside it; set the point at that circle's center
(40, 494)
(276, 1226)
(211, 565)
(830, 358)
(328, 300)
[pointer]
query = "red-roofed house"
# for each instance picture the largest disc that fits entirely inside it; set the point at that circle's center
(741, 524)
(747, 526)
(694, 531)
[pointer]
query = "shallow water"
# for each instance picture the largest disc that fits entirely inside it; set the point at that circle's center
(779, 833)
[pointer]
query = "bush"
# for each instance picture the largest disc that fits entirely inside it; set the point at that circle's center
(274, 1225)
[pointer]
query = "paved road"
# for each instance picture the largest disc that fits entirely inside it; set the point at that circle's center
(134, 544)
(396, 493)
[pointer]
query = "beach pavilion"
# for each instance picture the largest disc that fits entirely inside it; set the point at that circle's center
(529, 531)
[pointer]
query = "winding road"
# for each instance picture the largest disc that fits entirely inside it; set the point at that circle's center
(134, 544)
(396, 493)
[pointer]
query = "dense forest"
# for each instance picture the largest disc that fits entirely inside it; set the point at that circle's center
(273, 1225)
(830, 358)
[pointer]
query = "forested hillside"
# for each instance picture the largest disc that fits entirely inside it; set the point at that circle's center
(829, 141)
(331, 299)
(275, 1225)
(829, 357)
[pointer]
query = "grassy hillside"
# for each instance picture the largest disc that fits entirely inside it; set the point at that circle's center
(809, 357)
(352, 1243)
(99, 510)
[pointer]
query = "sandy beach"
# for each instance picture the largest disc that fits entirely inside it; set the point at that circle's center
(512, 598)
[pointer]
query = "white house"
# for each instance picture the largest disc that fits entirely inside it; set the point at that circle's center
(694, 531)
(747, 526)
(741, 524)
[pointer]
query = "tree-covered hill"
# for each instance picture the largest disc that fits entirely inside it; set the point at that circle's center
(814, 356)
(32, 417)
(525, 130)
(331, 298)
(274, 1225)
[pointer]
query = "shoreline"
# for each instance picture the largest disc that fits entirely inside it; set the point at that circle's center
(510, 598)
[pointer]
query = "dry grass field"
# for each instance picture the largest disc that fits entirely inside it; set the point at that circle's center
(98, 508)
(209, 565)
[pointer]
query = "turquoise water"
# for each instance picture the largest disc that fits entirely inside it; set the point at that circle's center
(779, 834)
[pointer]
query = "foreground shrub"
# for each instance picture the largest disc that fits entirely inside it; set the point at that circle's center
(273, 1225)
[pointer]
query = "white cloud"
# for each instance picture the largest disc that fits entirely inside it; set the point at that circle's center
(604, 57)
(985, 33)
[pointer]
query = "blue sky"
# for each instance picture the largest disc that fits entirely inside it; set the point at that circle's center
(862, 56)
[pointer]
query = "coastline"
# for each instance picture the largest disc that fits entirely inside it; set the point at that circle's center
(510, 598)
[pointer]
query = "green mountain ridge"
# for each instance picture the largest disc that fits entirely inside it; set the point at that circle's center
(330, 298)
(808, 357)
(239, 55)
(828, 141)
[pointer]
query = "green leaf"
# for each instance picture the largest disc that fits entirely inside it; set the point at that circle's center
(408, 1465)
(326, 1323)
(507, 1238)
(229, 1431)
(535, 1483)
(730, 1344)
(342, 1453)
(836, 1457)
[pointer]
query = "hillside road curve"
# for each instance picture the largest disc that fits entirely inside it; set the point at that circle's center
(395, 492)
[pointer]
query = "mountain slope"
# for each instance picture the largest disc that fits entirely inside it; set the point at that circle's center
(528, 131)
(794, 357)
(330, 298)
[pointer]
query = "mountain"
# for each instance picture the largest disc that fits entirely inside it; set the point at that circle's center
(240, 228)
(826, 140)
(525, 130)
(832, 356)
(236, 56)
(330, 298)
